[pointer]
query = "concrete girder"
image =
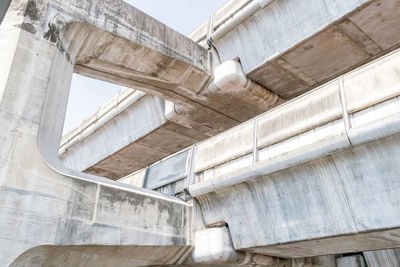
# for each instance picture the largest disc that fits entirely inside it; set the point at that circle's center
(291, 47)
(302, 180)
(148, 62)
(152, 127)
(158, 61)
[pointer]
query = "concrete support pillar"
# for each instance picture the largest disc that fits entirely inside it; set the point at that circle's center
(23, 86)
(351, 261)
(383, 258)
(326, 261)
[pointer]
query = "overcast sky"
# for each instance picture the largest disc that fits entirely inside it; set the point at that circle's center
(184, 16)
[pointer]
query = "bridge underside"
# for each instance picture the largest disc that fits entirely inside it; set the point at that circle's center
(291, 47)
(317, 175)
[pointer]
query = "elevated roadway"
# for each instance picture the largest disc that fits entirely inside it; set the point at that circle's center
(317, 175)
(279, 50)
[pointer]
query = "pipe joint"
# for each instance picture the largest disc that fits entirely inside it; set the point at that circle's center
(264, 3)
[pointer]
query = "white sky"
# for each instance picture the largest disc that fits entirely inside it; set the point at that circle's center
(184, 16)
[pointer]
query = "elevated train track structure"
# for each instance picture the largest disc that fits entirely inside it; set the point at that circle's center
(268, 137)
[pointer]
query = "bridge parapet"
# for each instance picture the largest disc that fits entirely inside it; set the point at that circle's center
(366, 95)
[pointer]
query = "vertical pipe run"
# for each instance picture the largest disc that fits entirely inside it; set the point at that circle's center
(255, 150)
(346, 117)
(190, 179)
(237, 19)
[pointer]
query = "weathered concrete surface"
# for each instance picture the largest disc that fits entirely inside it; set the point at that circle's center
(42, 202)
(321, 186)
(132, 139)
(388, 257)
(95, 256)
(51, 212)
(167, 65)
(290, 47)
(351, 261)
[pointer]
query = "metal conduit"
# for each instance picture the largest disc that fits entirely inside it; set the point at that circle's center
(236, 19)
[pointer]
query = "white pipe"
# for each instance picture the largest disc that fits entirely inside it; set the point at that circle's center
(354, 136)
(237, 19)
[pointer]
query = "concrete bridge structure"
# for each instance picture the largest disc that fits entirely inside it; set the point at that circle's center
(287, 47)
(311, 182)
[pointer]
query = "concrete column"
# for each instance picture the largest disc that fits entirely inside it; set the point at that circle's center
(383, 258)
(351, 261)
(24, 200)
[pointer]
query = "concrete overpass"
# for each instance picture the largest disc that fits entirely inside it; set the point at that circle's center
(287, 47)
(314, 177)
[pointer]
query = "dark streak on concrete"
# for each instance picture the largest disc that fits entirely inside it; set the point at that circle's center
(28, 27)
(32, 11)
(7, 189)
(53, 33)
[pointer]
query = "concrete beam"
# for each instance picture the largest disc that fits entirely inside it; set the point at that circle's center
(159, 62)
(317, 185)
(141, 134)
(291, 47)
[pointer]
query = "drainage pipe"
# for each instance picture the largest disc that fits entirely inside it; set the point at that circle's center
(236, 19)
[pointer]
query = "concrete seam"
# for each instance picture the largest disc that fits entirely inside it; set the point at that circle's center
(191, 173)
(355, 24)
(255, 149)
(95, 203)
(342, 193)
